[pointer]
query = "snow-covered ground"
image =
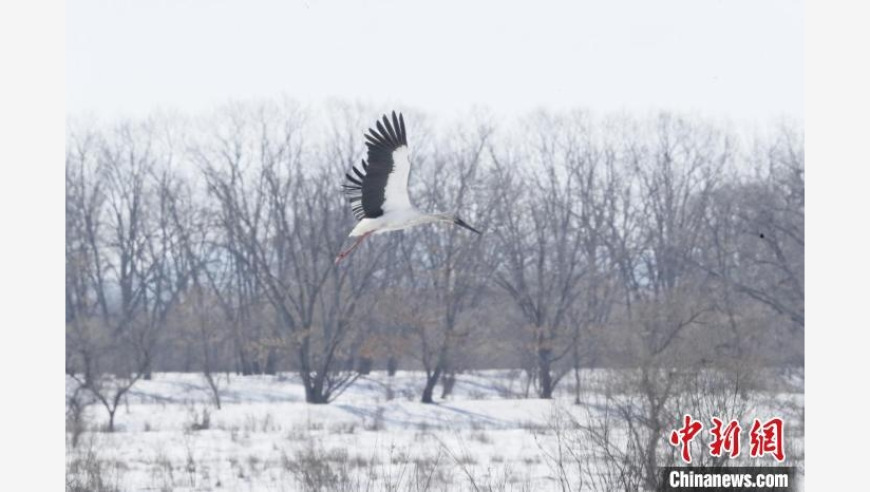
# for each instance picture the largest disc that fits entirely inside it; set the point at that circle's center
(375, 436)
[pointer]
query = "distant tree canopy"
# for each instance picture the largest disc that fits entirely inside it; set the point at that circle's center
(207, 245)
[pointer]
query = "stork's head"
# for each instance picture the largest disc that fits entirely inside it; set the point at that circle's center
(450, 218)
(462, 223)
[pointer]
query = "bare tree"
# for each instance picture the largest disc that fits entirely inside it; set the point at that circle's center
(542, 257)
(445, 270)
(85, 273)
(203, 316)
(676, 168)
(282, 222)
(756, 228)
(123, 276)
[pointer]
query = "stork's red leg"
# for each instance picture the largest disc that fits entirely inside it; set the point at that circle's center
(347, 252)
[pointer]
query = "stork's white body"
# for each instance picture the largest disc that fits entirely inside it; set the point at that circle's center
(399, 213)
(392, 221)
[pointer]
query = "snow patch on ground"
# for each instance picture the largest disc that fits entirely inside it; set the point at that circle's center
(375, 436)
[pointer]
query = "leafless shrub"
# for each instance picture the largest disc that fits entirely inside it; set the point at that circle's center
(76, 404)
(198, 421)
(376, 423)
(266, 423)
(190, 463)
(477, 425)
(533, 427)
(162, 473)
(87, 472)
(316, 426)
(317, 469)
(464, 460)
(481, 437)
(298, 433)
(429, 472)
(343, 428)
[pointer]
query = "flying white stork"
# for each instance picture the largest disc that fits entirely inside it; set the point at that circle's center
(378, 190)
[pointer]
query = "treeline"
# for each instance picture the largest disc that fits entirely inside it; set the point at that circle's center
(208, 244)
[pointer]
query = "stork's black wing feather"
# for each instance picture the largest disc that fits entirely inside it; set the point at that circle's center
(367, 187)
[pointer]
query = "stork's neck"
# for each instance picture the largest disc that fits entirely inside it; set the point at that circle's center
(443, 216)
(424, 218)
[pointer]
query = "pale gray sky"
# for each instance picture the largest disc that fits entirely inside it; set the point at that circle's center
(741, 59)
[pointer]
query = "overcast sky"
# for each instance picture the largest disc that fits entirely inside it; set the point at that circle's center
(732, 58)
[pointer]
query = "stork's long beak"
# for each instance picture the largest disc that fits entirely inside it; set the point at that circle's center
(461, 223)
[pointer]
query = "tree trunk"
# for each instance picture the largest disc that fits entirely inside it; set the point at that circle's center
(314, 390)
(447, 383)
(364, 366)
(315, 397)
(431, 382)
(147, 375)
(576, 375)
(392, 365)
(546, 378)
(245, 368)
(271, 363)
(215, 390)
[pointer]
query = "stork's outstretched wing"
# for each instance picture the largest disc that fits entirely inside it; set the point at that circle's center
(381, 184)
